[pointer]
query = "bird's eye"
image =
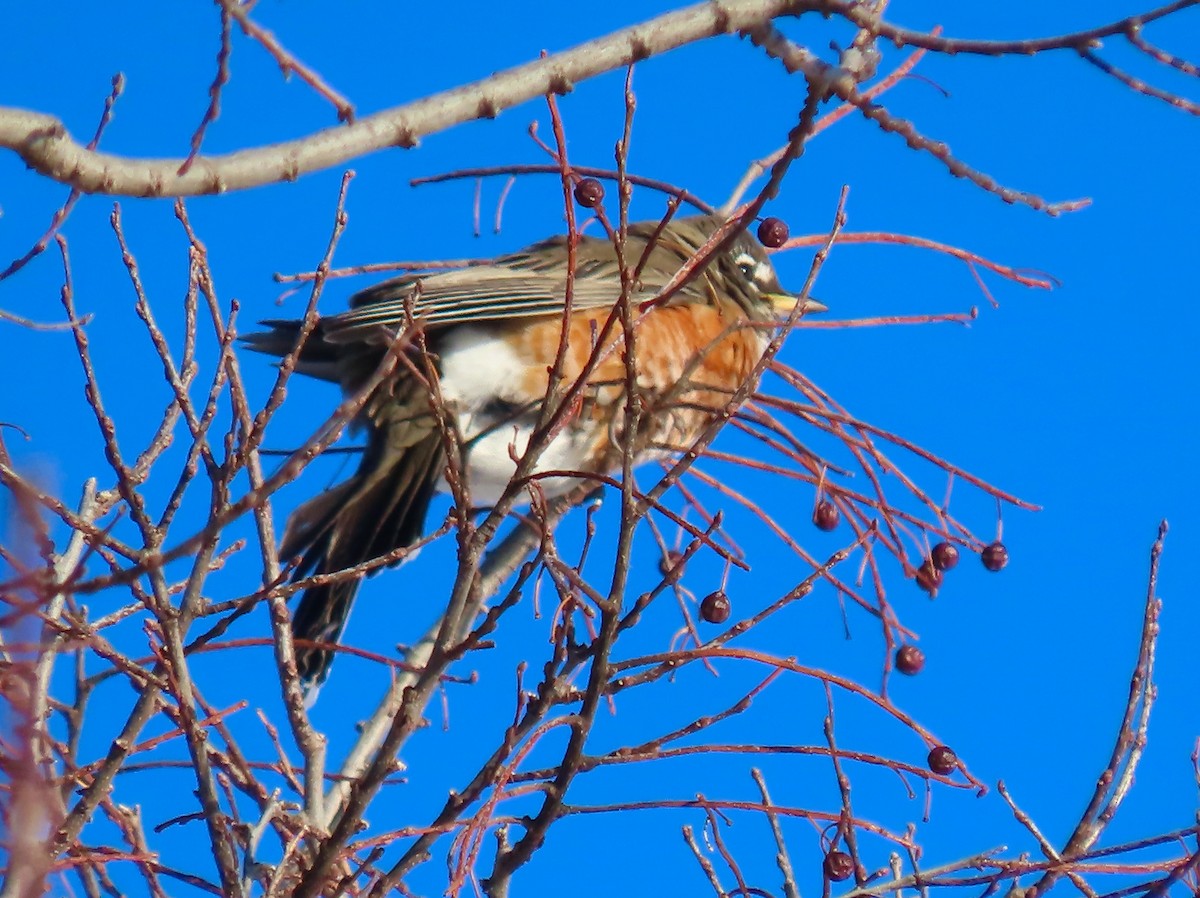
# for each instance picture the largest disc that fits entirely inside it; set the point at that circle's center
(748, 265)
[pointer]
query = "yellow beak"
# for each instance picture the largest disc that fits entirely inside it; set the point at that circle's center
(784, 303)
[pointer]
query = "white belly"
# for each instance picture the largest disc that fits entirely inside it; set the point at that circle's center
(480, 379)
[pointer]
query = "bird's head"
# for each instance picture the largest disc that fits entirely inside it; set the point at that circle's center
(741, 271)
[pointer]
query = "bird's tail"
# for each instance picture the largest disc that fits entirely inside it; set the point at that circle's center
(381, 508)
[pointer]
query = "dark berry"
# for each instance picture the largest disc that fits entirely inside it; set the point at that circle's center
(670, 561)
(838, 866)
(944, 556)
(994, 557)
(909, 660)
(942, 760)
(589, 193)
(929, 577)
(773, 232)
(826, 516)
(714, 607)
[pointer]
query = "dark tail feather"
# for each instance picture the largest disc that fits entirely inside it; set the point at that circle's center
(317, 357)
(381, 508)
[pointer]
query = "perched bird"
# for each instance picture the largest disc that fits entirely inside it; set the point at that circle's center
(493, 333)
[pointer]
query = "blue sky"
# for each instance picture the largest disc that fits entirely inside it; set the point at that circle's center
(1080, 400)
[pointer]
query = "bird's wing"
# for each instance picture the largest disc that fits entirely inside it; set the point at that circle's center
(477, 294)
(524, 284)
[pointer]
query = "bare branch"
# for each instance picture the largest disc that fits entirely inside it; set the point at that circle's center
(45, 146)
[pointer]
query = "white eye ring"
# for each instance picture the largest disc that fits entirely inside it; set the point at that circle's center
(751, 267)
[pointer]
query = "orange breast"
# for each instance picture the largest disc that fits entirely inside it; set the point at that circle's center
(689, 358)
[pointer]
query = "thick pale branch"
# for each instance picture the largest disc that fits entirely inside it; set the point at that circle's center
(43, 142)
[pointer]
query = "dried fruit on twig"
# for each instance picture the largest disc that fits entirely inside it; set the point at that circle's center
(773, 232)
(995, 556)
(944, 556)
(910, 660)
(838, 866)
(942, 760)
(670, 561)
(714, 607)
(929, 577)
(589, 193)
(826, 516)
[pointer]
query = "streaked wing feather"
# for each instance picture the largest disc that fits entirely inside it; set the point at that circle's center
(472, 294)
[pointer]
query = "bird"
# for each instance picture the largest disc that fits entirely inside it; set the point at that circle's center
(492, 334)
